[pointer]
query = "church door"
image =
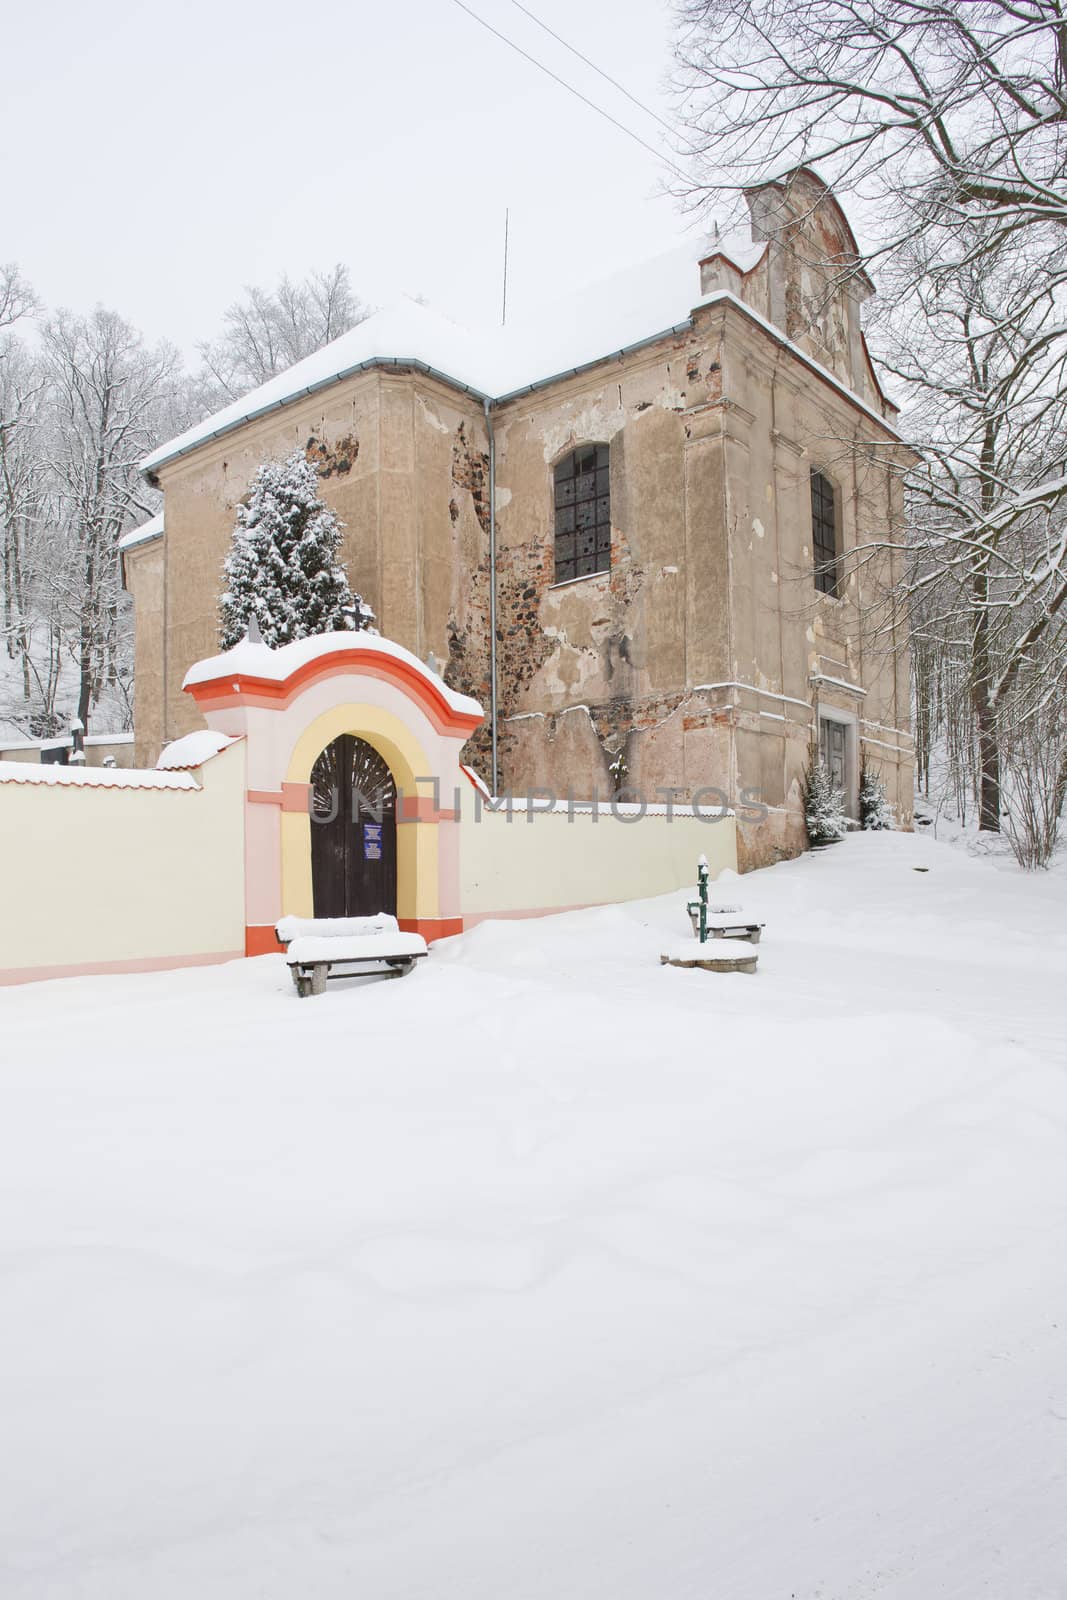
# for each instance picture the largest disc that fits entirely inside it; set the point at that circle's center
(832, 752)
(353, 831)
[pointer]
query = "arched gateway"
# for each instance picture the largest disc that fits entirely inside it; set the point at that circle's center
(353, 831)
(352, 767)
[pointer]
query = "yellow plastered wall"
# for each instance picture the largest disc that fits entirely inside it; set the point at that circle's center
(547, 861)
(93, 876)
(416, 843)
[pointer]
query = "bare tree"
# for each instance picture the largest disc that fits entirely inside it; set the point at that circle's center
(1035, 756)
(975, 345)
(961, 107)
(106, 392)
(267, 331)
(948, 124)
(23, 494)
(17, 299)
(78, 409)
(21, 475)
(947, 121)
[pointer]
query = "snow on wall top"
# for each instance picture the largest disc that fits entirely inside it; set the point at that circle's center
(192, 750)
(94, 777)
(737, 245)
(60, 743)
(148, 531)
(252, 660)
(588, 325)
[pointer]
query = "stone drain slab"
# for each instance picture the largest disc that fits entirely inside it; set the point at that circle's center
(718, 955)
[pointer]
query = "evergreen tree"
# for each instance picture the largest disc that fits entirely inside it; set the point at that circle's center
(282, 567)
(877, 814)
(824, 805)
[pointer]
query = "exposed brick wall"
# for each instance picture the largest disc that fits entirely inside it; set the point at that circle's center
(467, 667)
(333, 460)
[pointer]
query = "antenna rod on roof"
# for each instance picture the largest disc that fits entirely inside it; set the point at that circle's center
(504, 304)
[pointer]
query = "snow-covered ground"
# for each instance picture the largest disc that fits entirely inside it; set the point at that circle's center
(549, 1271)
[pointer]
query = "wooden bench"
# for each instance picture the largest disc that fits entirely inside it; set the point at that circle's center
(354, 945)
(726, 922)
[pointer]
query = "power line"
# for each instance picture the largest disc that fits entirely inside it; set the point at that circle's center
(615, 84)
(630, 134)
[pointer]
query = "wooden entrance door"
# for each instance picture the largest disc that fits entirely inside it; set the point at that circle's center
(353, 831)
(832, 752)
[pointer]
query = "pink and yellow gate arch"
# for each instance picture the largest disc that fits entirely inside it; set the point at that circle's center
(289, 705)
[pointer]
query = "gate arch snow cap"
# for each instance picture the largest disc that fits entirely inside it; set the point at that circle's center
(251, 673)
(289, 704)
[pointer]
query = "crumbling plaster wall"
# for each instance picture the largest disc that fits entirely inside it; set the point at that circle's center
(771, 439)
(810, 283)
(789, 642)
(693, 659)
(584, 664)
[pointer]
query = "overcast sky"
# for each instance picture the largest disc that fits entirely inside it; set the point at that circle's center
(160, 157)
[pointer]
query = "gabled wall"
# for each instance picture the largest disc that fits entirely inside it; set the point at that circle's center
(400, 458)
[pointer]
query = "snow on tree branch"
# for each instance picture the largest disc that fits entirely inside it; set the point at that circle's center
(283, 567)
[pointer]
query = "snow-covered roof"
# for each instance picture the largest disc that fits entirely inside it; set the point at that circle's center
(192, 750)
(148, 531)
(589, 324)
(592, 324)
(257, 661)
(52, 774)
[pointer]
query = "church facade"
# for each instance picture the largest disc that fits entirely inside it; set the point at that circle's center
(655, 536)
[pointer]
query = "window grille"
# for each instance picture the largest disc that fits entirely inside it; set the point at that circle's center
(583, 513)
(824, 533)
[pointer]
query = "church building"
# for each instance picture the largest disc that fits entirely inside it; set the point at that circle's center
(654, 532)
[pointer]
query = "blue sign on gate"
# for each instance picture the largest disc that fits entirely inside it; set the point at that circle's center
(372, 841)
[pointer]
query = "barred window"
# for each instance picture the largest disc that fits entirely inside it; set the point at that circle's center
(824, 532)
(583, 513)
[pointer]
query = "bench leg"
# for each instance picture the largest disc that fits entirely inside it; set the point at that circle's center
(303, 983)
(318, 977)
(400, 969)
(753, 937)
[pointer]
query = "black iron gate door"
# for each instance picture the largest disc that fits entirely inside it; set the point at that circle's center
(353, 831)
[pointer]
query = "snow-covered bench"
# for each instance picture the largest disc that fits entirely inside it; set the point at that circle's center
(290, 928)
(727, 922)
(315, 945)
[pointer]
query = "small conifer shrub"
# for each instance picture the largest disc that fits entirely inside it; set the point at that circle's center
(824, 805)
